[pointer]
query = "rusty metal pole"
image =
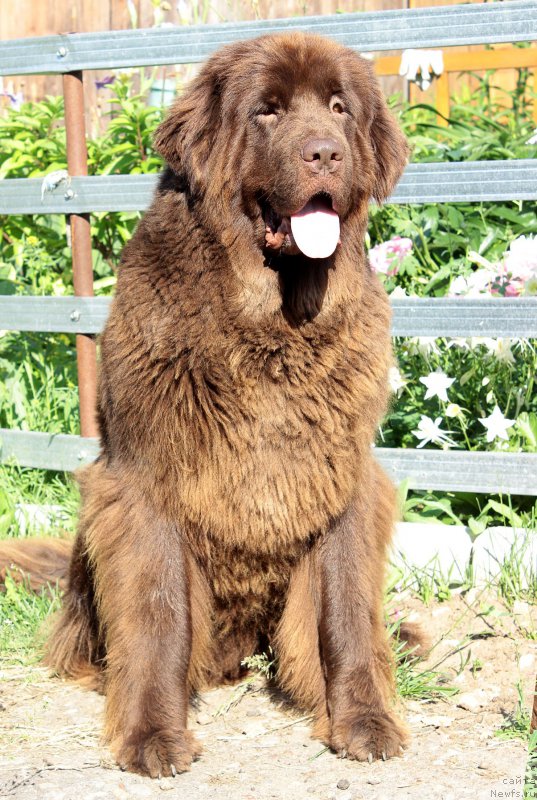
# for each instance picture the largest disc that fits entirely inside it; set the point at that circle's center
(77, 164)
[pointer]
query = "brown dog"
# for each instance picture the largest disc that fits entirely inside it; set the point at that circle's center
(236, 501)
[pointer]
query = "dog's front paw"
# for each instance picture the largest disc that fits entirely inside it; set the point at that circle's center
(157, 753)
(367, 737)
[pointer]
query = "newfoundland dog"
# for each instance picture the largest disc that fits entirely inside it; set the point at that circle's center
(236, 502)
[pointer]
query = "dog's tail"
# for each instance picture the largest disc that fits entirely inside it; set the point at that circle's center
(36, 562)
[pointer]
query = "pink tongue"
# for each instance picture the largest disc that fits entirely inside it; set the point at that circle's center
(316, 229)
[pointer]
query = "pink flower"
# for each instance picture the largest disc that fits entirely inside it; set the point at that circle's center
(512, 290)
(387, 257)
(514, 275)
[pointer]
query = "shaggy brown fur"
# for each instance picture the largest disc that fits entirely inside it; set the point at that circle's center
(236, 500)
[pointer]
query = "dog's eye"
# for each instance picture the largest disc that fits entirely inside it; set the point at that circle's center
(337, 106)
(268, 110)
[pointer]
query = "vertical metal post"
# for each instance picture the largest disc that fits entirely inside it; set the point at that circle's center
(77, 164)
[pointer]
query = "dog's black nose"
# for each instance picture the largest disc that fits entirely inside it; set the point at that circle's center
(323, 155)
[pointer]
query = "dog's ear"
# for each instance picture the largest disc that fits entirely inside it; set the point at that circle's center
(187, 136)
(390, 149)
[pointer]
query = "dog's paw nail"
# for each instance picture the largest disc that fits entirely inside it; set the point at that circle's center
(173, 770)
(370, 758)
(384, 756)
(342, 754)
(160, 776)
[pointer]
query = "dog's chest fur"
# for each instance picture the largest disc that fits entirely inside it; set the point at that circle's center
(256, 443)
(252, 431)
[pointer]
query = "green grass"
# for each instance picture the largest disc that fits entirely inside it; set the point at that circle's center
(530, 783)
(20, 486)
(412, 681)
(517, 724)
(516, 578)
(22, 615)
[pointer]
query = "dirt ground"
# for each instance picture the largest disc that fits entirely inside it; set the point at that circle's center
(254, 748)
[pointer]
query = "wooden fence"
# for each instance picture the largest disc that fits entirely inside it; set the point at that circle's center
(68, 55)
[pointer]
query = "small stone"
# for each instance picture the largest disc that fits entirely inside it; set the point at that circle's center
(473, 701)
(166, 784)
(343, 783)
(374, 781)
(526, 661)
(253, 729)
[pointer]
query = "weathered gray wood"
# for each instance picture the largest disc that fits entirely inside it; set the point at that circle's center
(509, 473)
(47, 451)
(53, 314)
(462, 317)
(413, 316)
(467, 181)
(460, 471)
(437, 26)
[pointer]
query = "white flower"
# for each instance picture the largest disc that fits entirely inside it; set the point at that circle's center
(484, 341)
(521, 258)
(533, 138)
(429, 431)
(424, 345)
(530, 287)
(437, 384)
(502, 350)
(458, 286)
(476, 284)
(396, 380)
(453, 410)
(497, 425)
(398, 293)
(460, 342)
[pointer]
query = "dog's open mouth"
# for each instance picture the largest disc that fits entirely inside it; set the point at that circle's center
(313, 230)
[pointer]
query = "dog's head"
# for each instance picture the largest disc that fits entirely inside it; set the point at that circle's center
(293, 131)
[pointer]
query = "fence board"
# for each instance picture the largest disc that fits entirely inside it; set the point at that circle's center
(413, 316)
(57, 451)
(437, 26)
(467, 181)
(508, 473)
